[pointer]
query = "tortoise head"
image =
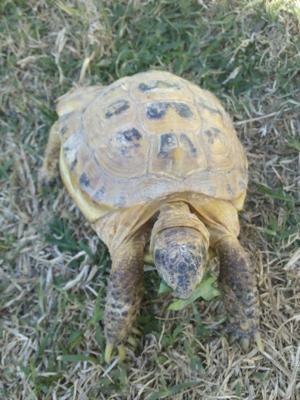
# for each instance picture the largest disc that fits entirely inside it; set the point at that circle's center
(179, 243)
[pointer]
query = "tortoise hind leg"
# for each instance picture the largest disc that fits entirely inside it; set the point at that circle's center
(124, 294)
(238, 282)
(49, 169)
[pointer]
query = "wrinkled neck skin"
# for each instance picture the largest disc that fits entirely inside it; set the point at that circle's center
(179, 243)
(177, 214)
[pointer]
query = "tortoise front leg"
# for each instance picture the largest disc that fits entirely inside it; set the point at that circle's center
(238, 282)
(49, 169)
(124, 295)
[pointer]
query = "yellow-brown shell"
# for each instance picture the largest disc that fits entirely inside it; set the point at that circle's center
(147, 136)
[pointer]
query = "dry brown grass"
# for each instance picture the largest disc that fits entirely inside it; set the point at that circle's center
(52, 286)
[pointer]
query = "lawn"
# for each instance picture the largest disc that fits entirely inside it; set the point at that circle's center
(53, 269)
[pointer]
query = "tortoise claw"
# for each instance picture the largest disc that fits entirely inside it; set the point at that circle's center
(45, 180)
(245, 344)
(259, 342)
(148, 259)
(122, 352)
(131, 340)
(246, 335)
(108, 352)
(136, 331)
(247, 341)
(110, 347)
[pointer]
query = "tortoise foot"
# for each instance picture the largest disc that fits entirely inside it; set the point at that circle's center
(247, 338)
(109, 350)
(45, 179)
(112, 347)
(124, 294)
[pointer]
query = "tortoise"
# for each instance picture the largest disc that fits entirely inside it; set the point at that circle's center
(152, 158)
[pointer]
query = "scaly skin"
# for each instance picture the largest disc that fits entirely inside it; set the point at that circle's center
(238, 282)
(49, 169)
(124, 295)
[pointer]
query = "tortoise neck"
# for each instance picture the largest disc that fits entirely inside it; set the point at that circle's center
(178, 207)
(177, 214)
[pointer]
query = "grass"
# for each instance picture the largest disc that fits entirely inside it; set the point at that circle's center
(53, 270)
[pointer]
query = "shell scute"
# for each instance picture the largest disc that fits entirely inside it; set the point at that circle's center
(123, 152)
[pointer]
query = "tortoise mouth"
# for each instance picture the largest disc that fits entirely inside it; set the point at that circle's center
(184, 291)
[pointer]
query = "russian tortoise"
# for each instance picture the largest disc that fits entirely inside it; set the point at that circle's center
(154, 158)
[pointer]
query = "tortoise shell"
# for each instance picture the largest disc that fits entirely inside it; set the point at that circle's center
(148, 136)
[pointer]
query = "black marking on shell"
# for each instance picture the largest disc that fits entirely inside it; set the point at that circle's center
(242, 185)
(73, 164)
(210, 190)
(229, 189)
(99, 194)
(127, 141)
(202, 104)
(84, 180)
(187, 142)
(70, 156)
(212, 134)
(146, 87)
(209, 135)
(157, 110)
(131, 134)
(121, 202)
(64, 120)
(71, 148)
(182, 109)
(117, 108)
(168, 141)
(63, 130)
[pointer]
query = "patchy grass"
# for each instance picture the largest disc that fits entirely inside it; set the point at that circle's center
(53, 270)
